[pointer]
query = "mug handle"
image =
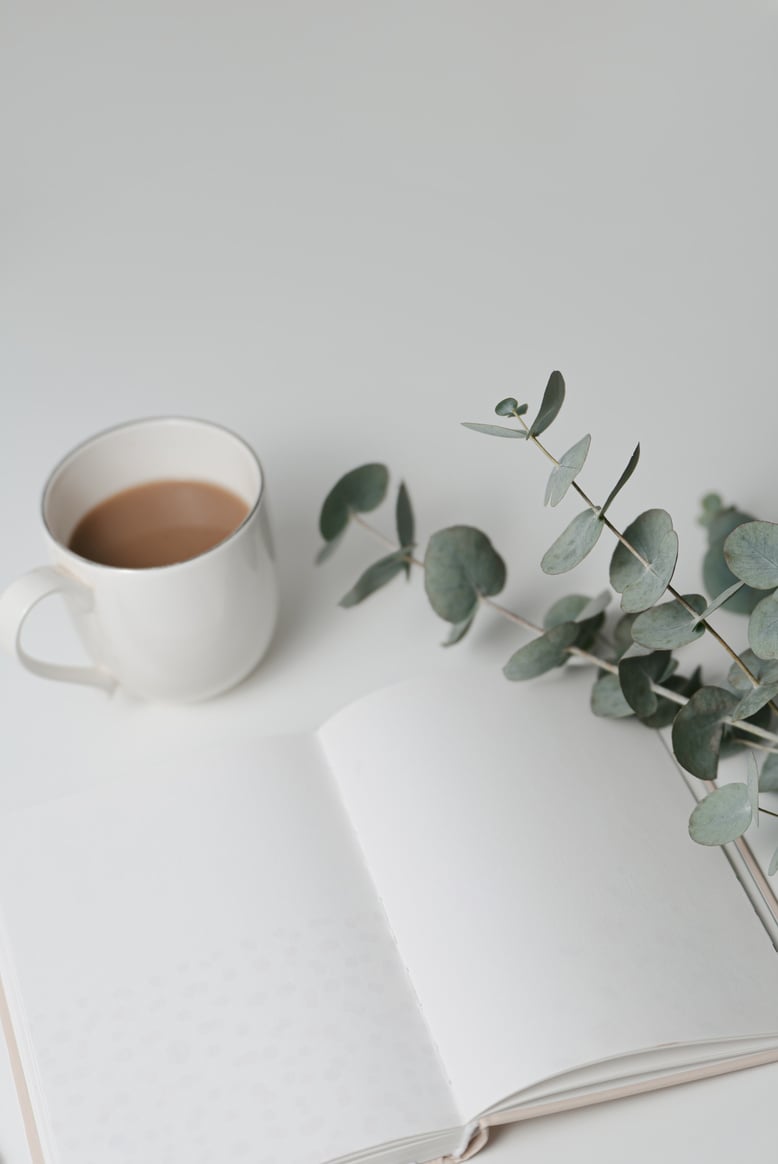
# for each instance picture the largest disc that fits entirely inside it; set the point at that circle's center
(17, 601)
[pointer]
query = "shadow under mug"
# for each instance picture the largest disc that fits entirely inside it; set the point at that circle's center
(179, 632)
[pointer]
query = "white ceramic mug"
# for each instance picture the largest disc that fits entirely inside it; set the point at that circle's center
(180, 632)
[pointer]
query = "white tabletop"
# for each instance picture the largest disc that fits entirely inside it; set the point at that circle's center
(341, 229)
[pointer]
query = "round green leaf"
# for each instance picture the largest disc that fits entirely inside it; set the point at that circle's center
(359, 491)
(565, 609)
(722, 816)
(653, 536)
(699, 728)
(507, 407)
(460, 629)
(573, 544)
(460, 565)
(768, 777)
(754, 700)
(553, 399)
(670, 625)
(607, 698)
(563, 474)
(763, 628)
(765, 670)
(636, 675)
(751, 552)
(543, 653)
(374, 578)
(716, 574)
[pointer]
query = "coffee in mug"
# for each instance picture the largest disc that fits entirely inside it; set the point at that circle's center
(159, 543)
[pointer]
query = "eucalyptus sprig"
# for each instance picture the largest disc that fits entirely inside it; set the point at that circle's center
(634, 655)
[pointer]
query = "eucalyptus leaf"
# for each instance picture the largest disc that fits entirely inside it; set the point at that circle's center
(497, 430)
(755, 699)
(752, 780)
(460, 565)
(719, 600)
(404, 522)
(622, 635)
(632, 465)
(699, 728)
(716, 574)
(751, 552)
(637, 673)
(763, 628)
(573, 544)
(553, 399)
(667, 709)
(586, 613)
(669, 625)
(607, 698)
(460, 629)
(712, 504)
(721, 817)
(765, 670)
(547, 651)
(359, 491)
(374, 578)
(564, 473)
(654, 538)
(768, 777)
(510, 407)
(328, 549)
(595, 606)
(565, 609)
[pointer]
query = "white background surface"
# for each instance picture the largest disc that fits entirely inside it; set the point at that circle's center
(341, 229)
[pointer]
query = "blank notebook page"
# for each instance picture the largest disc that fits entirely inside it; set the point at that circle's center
(205, 971)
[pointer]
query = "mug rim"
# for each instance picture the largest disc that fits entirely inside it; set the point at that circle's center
(141, 422)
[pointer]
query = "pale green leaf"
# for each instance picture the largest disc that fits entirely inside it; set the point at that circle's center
(765, 670)
(403, 516)
(755, 699)
(699, 728)
(716, 574)
(718, 601)
(497, 430)
(669, 625)
(768, 777)
(565, 609)
(374, 578)
(722, 816)
(460, 565)
(460, 629)
(654, 538)
(553, 399)
(763, 628)
(637, 673)
(543, 653)
(573, 544)
(595, 606)
(563, 474)
(607, 698)
(751, 552)
(632, 464)
(508, 407)
(328, 549)
(359, 491)
(752, 779)
(712, 503)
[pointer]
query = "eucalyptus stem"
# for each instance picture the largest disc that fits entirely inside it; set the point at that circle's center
(587, 656)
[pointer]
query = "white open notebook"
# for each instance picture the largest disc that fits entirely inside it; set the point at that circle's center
(462, 902)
